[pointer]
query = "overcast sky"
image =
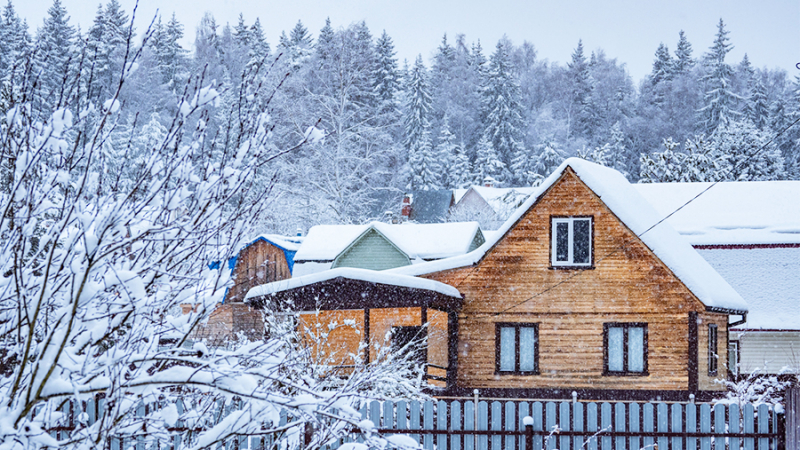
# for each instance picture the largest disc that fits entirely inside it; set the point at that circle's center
(629, 30)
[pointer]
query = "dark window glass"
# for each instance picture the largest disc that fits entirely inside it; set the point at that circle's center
(408, 340)
(581, 245)
(562, 241)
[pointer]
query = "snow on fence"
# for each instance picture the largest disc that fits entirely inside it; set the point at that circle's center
(519, 425)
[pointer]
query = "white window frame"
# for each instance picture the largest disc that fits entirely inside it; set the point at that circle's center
(570, 244)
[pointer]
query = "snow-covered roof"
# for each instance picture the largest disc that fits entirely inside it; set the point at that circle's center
(424, 241)
(753, 212)
(290, 243)
(637, 214)
(497, 198)
(371, 276)
(768, 278)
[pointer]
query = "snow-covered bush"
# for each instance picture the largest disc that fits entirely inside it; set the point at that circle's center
(102, 240)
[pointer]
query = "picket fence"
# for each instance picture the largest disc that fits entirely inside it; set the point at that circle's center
(528, 425)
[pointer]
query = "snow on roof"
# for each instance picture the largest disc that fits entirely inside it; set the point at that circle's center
(768, 278)
(290, 243)
(425, 241)
(497, 198)
(744, 212)
(371, 276)
(636, 213)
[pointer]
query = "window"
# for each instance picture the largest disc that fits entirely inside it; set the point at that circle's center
(625, 348)
(409, 340)
(517, 348)
(712, 349)
(571, 244)
(733, 358)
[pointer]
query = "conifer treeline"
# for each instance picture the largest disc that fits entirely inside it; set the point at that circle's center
(390, 126)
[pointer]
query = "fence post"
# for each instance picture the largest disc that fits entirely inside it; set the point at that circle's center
(308, 435)
(792, 418)
(528, 422)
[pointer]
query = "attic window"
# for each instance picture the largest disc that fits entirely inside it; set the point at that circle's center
(571, 244)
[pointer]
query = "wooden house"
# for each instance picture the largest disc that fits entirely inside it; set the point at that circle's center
(750, 233)
(265, 259)
(584, 289)
(488, 205)
(381, 246)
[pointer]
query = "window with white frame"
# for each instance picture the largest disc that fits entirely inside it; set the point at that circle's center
(625, 346)
(571, 244)
(517, 348)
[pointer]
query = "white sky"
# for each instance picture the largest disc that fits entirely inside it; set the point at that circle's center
(629, 30)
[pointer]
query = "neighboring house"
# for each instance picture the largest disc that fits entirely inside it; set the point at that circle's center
(427, 206)
(490, 206)
(750, 233)
(380, 246)
(265, 259)
(581, 290)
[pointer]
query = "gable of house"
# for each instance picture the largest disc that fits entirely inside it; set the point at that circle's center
(264, 260)
(511, 281)
(371, 250)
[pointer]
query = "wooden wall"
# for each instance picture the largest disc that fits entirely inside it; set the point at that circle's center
(260, 263)
(515, 283)
(707, 382)
(333, 344)
(381, 322)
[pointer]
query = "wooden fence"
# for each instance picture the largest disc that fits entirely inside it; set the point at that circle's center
(500, 425)
(530, 425)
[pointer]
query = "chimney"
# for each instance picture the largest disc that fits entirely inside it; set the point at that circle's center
(405, 212)
(299, 232)
(489, 181)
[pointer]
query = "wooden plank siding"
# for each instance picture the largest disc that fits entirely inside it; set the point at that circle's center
(515, 282)
(259, 263)
(706, 381)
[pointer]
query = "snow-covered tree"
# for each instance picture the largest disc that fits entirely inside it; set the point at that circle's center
(549, 158)
(54, 57)
(756, 108)
(446, 154)
(487, 162)
(580, 88)
(417, 128)
(386, 80)
(751, 154)
(502, 107)
(106, 48)
(663, 65)
(719, 100)
(683, 55)
(93, 282)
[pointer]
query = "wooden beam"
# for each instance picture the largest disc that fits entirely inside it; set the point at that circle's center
(692, 363)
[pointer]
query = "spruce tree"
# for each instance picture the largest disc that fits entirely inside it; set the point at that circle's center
(460, 173)
(502, 105)
(719, 99)
(683, 55)
(580, 89)
(55, 57)
(386, 79)
(14, 41)
(417, 127)
(487, 162)
(446, 155)
(662, 66)
(750, 153)
(756, 108)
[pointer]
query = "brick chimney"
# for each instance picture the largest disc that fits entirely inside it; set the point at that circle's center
(405, 212)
